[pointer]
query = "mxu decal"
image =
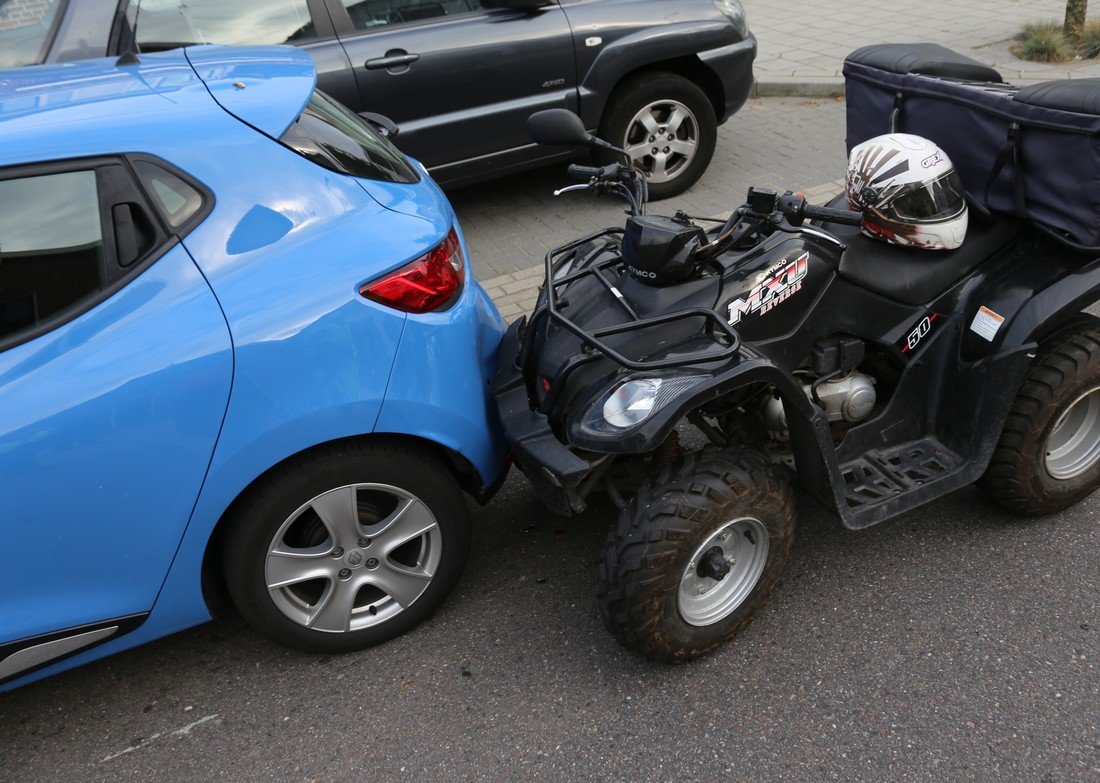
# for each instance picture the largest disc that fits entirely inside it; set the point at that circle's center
(780, 284)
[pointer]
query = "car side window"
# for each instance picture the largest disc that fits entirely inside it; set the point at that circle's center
(24, 30)
(167, 24)
(371, 14)
(176, 200)
(52, 255)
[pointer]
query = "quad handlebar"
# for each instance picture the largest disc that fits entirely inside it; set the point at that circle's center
(796, 209)
(829, 215)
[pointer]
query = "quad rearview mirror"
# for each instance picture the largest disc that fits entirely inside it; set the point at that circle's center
(563, 128)
(558, 128)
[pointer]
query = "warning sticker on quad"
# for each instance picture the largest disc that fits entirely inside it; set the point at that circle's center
(987, 323)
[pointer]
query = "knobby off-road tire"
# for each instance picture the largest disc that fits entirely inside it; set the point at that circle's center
(282, 516)
(1037, 468)
(646, 559)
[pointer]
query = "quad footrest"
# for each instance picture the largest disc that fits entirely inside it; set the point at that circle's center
(881, 476)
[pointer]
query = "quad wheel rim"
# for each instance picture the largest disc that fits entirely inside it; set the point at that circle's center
(353, 557)
(662, 140)
(1073, 446)
(742, 544)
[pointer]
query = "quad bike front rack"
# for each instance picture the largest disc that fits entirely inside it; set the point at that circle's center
(593, 341)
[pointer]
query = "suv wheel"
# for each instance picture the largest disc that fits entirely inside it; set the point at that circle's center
(667, 125)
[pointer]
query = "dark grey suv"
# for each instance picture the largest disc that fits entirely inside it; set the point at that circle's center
(460, 77)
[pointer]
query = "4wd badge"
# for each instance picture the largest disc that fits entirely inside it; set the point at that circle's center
(780, 283)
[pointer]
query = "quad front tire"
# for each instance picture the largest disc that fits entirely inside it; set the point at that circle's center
(696, 553)
(347, 546)
(1048, 457)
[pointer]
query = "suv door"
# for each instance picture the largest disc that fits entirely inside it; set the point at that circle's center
(459, 76)
(115, 369)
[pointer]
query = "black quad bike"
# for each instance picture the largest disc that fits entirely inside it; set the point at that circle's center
(878, 378)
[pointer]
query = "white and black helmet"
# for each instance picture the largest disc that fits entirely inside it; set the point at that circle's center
(908, 191)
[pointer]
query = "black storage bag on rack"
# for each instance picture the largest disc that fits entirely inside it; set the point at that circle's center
(1032, 152)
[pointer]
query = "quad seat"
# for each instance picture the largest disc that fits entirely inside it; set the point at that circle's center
(916, 276)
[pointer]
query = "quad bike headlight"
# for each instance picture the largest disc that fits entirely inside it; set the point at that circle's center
(629, 403)
(736, 13)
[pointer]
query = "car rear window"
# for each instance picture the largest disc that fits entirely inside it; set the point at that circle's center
(167, 24)
(335, 137)
(24, 30)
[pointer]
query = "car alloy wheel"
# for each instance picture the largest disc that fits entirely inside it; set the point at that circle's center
(353, 557)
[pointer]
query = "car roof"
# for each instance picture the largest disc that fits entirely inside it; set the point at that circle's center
(96, 107)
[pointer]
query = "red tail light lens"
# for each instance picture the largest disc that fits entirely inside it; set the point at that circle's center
(429, 283)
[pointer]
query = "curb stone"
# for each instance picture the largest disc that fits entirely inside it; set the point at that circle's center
(799, 88)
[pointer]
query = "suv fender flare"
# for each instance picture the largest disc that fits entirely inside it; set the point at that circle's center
(638, 50)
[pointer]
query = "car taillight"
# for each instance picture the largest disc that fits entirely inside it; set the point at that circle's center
(431, 282)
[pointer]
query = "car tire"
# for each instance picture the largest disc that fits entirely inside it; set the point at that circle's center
(651, 594)
(347, 546)
(654, 98)
(1048, 456)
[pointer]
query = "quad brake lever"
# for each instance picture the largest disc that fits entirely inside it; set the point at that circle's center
(571, 189)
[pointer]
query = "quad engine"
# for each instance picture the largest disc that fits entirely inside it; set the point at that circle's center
(845, 394)
(849, 400)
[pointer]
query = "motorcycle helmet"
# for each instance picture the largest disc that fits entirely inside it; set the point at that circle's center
(908, 191)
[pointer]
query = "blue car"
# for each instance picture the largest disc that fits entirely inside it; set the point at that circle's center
(242, 359)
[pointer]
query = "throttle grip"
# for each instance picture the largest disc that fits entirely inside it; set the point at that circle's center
(582, 172)
(829, 215)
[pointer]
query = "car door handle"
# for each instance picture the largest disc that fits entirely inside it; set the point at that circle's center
(391, 61)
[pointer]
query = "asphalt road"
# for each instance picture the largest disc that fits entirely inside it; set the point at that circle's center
(954, 644)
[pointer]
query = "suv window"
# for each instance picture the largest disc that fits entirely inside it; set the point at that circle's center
(368, 14)
(51, 248)
(338, 139)
(24, 28)
(166, 24)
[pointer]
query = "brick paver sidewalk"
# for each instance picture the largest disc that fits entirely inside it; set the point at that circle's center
(803, 42)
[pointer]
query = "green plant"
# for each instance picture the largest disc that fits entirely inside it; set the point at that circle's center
(1042, 42)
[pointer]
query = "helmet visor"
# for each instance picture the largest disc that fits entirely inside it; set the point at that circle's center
(940, 199)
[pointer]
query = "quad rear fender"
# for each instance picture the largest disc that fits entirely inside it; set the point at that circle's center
(1056, 304)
